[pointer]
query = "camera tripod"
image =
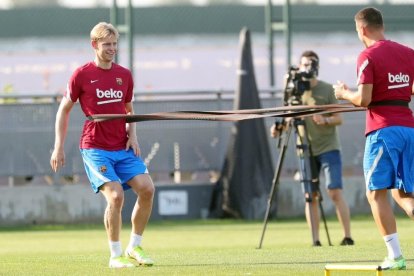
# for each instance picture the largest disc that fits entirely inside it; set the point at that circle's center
(308, 175)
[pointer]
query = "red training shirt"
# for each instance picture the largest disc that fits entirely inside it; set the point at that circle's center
(389, 67)
(102, 91)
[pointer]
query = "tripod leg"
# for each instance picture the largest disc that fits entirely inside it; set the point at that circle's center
(275, 183)
(311, 216)
(324, 220)
(319, 198)
(305, 166)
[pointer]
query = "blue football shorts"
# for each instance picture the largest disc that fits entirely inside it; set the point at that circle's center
(389, 159)
(104, 166)
(330, 163)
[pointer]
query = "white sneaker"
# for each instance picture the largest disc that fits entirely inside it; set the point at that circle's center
(139, 255)
(394, 264)
(120, 262)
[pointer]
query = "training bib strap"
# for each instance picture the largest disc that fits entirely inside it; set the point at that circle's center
(389, 102)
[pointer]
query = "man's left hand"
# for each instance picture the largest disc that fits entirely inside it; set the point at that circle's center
(133, 144)
(340, 90)
(319, 119)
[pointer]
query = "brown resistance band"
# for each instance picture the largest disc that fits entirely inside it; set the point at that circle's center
(232, 115)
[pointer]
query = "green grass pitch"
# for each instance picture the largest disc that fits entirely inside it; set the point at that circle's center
(202, 247)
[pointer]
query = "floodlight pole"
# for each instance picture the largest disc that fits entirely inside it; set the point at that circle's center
(126, 29)
(272, 26)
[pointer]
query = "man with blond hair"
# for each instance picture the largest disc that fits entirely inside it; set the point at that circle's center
(385, 84)
(110, 150)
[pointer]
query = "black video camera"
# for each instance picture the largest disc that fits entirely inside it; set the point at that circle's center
(298, 81)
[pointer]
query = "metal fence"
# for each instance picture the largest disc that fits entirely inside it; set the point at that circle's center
(27, 137)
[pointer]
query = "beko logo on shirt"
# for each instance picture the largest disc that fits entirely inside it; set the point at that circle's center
(398, 78)
(109, 96)
(401, 80)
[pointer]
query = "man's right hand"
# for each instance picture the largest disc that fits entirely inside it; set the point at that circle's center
(57, 160)
(276, 129)
(279, 126)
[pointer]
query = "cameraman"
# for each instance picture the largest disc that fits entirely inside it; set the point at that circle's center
(324, 142)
